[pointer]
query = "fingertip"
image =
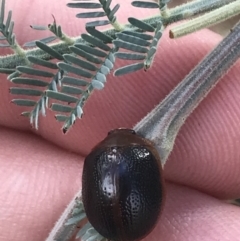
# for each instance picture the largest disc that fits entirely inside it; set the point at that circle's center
(192, 215)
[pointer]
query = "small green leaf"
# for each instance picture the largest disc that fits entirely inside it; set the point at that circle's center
(91, 50)
(130, 46)
(7, 71)
(29, 81)
(32, 71)
(139, 35)
(72, 118)
(97, 84)
(10, 30)
(158, 35)
(24, 102)
(140, 24)
(26, 114)
(101, 77)
(61, 108)
(8, 20)
(38, 27)
(106, 4)
(74, 70)
(42, 62)
(108, 63)
(132, 39)
(112, 13)
(79, 112)
(74, 81)
(60, 96)
(111, 57)
(105, 70)
(71, 90)
(79, 62)
(143, 4)
(97, 23)
(151, 52)
(2, 12)
(49, 50)
(129, 69)
(24, 91)
(53, 86)
(61, 118)
(85, 55)
(130, 56)
(94, 32)
(44, 40)
(86, 5)
(13, 75)
(59, 32)
(4, 45)
(91, 15)
(95, 42)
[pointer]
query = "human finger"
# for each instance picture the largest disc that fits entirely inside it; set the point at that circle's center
(192, 215)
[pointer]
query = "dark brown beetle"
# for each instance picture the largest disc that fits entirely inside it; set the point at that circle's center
(123, 186)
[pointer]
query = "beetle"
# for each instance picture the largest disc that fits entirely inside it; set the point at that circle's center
(122, 186)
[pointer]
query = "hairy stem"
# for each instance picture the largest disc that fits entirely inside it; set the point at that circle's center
(162, 124)
(198, 7)
(221, 14)
(61, 232)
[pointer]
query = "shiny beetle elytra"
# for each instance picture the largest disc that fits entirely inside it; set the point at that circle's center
(123, 186)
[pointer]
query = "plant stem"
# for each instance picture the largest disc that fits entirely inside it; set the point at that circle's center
(221, 14)
(61, 232)
(162, 124)
(199, 6)
(13, 60)
(193, 8)
(176, 14)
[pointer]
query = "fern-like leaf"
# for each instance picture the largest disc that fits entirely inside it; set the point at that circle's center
(8, 37)
(142, 46)
(6, 28)
(82, 75)
(101, 4)
(35, 85)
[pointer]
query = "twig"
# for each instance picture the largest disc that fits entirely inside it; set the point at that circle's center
(188, 10)
(162, 124)
(62, 232)
(221, 14)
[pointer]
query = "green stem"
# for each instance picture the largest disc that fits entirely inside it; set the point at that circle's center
(162, 124)
(198, 7)
(60, 232)
(219, 15)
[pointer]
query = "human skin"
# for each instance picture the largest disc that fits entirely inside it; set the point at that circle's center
(41, 170)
